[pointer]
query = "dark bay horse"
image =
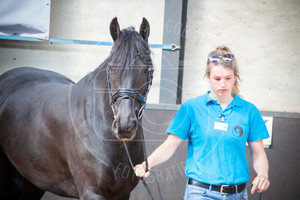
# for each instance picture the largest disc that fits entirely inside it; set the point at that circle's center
(67, 138)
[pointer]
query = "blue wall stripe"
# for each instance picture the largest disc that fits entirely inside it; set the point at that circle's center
(68, 41)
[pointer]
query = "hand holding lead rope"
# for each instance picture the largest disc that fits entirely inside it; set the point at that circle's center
(140, 170)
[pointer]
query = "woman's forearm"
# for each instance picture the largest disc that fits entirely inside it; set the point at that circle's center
(160, 155)
(261, 166)
(165, 151)
(260, 160)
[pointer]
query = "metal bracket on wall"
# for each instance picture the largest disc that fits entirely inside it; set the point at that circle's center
(171, 47)
(175, 47)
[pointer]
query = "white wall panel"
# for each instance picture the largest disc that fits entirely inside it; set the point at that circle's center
(264, 36)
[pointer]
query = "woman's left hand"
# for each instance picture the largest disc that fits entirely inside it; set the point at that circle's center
(260, 184)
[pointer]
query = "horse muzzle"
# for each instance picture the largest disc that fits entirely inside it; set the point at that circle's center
(125, 130)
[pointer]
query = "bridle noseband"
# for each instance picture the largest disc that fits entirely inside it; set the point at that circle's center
(127, 93)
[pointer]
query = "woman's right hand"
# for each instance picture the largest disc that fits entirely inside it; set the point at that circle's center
(140, 170)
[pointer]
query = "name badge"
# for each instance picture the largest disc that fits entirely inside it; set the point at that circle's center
(221, 126)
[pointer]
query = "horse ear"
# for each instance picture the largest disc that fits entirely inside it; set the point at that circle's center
(145, 29)
(114, 29)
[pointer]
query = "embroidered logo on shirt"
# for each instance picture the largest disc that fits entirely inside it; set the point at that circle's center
(237, 131)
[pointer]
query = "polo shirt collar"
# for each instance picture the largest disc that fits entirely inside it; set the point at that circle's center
(208, 100)
(235, 103)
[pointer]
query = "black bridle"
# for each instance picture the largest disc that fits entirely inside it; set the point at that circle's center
(127, 93)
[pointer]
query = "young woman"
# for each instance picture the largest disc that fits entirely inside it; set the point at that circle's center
(217, 125)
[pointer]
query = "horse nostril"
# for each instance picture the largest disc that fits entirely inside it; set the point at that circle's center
(134, 125)
(115, 126)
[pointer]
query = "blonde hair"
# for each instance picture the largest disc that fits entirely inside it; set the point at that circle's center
(221, 50)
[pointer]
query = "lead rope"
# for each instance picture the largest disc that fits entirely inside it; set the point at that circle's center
(146, 162)
(143, 180)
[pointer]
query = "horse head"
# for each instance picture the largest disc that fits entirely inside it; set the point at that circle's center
(129, 77)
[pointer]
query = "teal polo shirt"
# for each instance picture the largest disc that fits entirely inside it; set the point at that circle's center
(217, 138)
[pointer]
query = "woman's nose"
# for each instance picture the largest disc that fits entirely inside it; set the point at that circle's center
(222, 82)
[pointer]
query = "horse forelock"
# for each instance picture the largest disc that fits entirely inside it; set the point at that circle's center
(127, 47)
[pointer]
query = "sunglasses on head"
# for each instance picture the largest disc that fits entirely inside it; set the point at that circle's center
(226, 57)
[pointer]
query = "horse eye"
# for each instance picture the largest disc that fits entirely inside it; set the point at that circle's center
(138, 54)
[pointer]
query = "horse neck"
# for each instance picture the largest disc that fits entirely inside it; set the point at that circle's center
(95, 81)
(91, 91)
